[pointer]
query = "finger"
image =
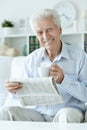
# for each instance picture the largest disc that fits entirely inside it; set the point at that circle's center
(54, 69)
(12, 84)
(53, 73)
(54, 64)
(13, 89)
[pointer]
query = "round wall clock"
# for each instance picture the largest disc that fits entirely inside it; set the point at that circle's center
(67, 12)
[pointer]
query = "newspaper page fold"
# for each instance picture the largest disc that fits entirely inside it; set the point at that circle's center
(37, 91)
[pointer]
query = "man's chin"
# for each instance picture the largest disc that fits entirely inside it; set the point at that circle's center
(48, 47)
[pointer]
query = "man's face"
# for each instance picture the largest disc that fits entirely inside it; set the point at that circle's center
(48, 33)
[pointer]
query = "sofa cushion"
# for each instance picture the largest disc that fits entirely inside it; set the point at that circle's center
(17, 67)
(5, 65)
(16, 72)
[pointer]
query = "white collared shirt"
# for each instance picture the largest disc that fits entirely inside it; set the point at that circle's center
(73, 88)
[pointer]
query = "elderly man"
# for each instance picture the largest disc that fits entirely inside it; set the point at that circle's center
(68, 67)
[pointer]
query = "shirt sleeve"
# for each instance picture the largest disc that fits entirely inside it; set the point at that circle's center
(77, 87)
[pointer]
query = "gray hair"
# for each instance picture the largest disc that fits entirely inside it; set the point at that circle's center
(45, 13)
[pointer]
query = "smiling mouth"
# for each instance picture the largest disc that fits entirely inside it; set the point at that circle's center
(48, 41)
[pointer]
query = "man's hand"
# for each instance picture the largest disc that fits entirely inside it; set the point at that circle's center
(13, 86)
(57, 73)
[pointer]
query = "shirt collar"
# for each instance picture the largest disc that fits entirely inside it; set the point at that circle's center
(44, 55)
(64, 52)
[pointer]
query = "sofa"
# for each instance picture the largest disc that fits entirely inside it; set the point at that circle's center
(10, 67)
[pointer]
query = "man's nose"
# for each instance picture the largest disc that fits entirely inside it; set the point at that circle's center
(45, 35)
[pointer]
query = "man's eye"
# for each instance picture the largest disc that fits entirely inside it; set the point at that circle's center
(39, 33)
(50, 29)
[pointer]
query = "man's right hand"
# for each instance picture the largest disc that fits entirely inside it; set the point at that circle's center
(13, 87)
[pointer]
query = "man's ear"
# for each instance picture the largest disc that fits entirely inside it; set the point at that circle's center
(60, 30)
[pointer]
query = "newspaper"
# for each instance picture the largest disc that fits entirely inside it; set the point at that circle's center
(38, 91)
